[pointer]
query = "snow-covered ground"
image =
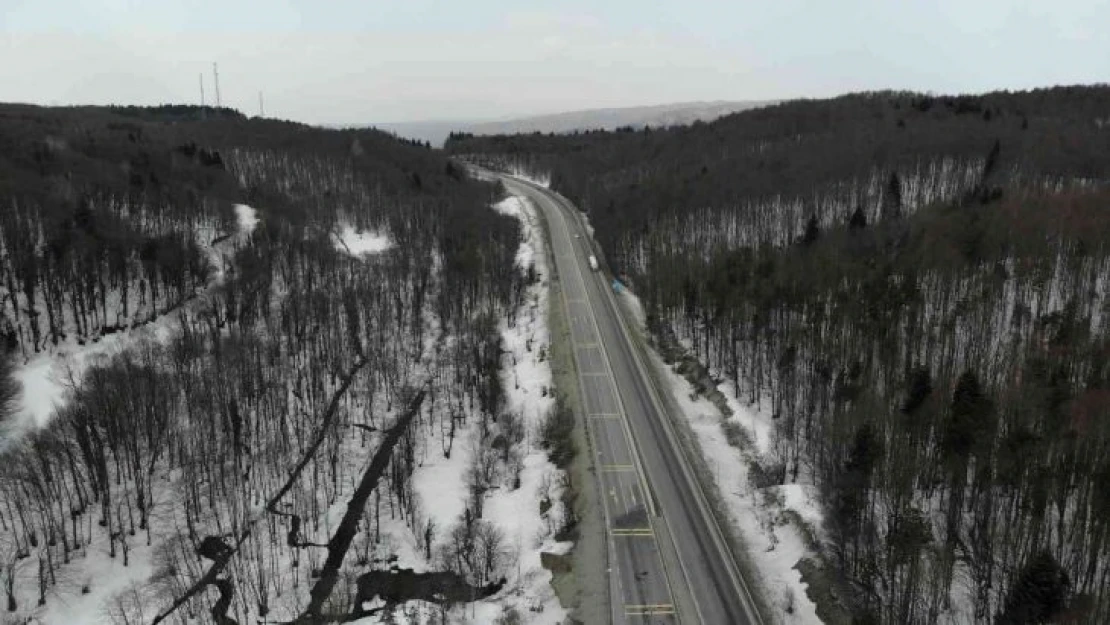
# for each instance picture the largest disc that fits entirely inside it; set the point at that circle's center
(528, 385)
(361, 242)
(106, 578)
(43, 390)
(49, 375)
(221, 249)
(46, 377)
(96, 584)
(541, 178)
(440, 482)
(758, 515)
(46, 380)
(246, 217)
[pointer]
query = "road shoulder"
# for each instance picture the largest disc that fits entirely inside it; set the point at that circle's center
(584, 589)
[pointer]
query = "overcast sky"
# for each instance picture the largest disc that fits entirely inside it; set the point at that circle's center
(362, 61)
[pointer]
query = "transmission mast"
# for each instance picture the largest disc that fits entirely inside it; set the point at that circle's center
(201, 76)
(261, 111)
(216, 79)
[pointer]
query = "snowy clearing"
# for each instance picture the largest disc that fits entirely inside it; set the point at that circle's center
(47, 377)
(361, 242)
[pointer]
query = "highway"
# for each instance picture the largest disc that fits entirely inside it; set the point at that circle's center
(668, 558)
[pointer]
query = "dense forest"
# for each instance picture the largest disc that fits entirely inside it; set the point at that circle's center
(258, 452)
(916, 287)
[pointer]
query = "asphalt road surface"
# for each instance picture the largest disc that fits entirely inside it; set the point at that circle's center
(669, 562)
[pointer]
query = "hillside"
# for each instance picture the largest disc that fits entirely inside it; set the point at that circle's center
(256, 366)
(660, 115)
(911, 290)
(656, 116)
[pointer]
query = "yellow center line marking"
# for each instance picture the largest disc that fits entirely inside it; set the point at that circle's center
(647, 610)
(616, 468)
(636, 531)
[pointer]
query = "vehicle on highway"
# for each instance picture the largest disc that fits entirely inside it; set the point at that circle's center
(593, 262)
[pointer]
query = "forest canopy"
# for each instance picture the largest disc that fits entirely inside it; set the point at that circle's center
(915, 287)
(283, 376)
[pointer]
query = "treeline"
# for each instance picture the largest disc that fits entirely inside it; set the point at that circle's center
(915, 287)
(304, 379)
(762, 173)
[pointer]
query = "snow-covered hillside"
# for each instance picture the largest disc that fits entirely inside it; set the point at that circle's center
(518, 491)
(240, 414)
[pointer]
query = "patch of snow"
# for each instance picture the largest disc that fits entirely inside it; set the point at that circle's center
(775, 545)
(542, 179)
(361, 242)
(107, 579)
(93, 587)
(516, 170)
(802, 499)
(43, 391)
(246, 217)
(756, 420)
(439, 481)
(47, 377)
(530, 252)
(526, 376)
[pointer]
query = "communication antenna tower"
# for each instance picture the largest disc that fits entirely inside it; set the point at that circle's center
(216, 79)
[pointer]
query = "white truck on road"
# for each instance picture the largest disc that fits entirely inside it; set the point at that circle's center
(593, 262)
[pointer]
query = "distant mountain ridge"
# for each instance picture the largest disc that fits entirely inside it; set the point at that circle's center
(435, 132)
